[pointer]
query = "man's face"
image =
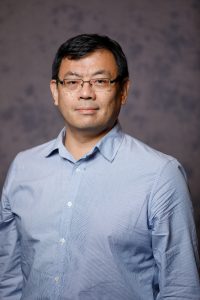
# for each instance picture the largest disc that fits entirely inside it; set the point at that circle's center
(87, 110)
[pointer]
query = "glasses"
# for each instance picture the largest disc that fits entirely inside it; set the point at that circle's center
(99, 84)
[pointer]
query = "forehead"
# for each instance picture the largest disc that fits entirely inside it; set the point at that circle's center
(98, 62)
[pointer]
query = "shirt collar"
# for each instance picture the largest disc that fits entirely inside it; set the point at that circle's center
(108, 146)
(57, 144)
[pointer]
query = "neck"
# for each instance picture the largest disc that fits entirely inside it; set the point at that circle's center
(80, 143)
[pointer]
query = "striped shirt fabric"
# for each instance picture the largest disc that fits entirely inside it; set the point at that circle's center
(116, 224)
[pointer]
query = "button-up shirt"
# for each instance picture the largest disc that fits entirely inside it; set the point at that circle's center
(116, 224)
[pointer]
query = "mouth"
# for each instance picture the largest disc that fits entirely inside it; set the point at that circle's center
(87, 110)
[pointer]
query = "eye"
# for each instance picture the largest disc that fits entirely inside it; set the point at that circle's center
(70, 82)
(101, 82)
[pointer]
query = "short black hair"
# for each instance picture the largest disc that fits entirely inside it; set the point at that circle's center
(83, 44)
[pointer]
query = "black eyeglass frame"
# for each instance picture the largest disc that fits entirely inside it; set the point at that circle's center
(117, 79)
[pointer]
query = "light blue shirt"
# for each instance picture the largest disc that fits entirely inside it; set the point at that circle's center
(115, 225)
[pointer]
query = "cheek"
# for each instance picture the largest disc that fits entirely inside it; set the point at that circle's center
(114, 105)
(110, 111)
(65, 102)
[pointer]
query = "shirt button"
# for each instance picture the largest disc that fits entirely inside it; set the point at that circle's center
(56, 278)
(62, 241)
(78, 170)
(69, 204)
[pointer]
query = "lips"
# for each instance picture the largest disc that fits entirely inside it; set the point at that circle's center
(90, 110)
(86, 108)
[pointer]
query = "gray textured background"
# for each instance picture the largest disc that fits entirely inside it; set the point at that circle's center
(161, 39)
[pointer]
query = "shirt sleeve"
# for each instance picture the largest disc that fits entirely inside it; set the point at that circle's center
(10, 267)
(174, 238)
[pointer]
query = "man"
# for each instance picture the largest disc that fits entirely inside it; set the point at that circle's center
(95, 214)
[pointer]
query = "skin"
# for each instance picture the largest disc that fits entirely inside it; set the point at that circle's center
(88, 115)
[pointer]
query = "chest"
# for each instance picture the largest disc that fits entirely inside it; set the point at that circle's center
(83, 201)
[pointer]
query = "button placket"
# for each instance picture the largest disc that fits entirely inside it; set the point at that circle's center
(77, 171)
(70, 191)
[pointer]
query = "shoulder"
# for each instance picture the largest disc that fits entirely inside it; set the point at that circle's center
(144, 156)
(154, 167)
(39, 151)
(163, 173)
(30, 164)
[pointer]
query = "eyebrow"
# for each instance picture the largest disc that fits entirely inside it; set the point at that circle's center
(99, 72)
(72, 74)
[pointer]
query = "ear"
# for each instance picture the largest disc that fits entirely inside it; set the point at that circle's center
(54, 91)
(124, 91)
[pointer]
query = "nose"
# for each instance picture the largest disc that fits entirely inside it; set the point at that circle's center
(86, 91)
